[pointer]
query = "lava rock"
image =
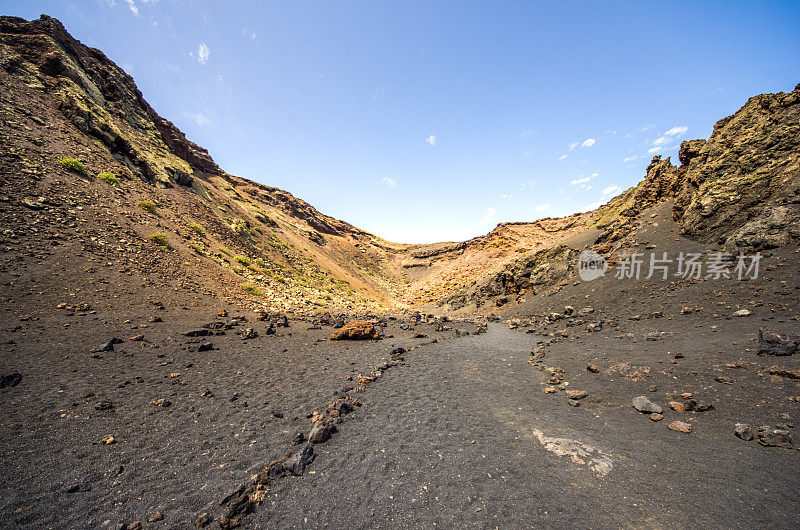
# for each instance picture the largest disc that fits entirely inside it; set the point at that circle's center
(774, 437)
(296, 464)
(743, 431)
(645, 406)
(10, 380)
(773, 342)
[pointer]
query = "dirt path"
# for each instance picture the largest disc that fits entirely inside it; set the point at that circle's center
(464, 435)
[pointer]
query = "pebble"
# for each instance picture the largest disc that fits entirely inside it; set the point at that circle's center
(680, 426)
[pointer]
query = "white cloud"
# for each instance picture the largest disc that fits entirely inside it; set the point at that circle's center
(580, 180)
(132, 7)
(506, 196)
(588, 142)
(573, 145)
(250, 34)
(654, 149)
(489, 217)
(661, 140)
(677, 130)
(431, 140)
(203, 52)
(390, 182)
(526, 133)
(527, 185)
(198, 117)
(562, 157)
(541, 207)
(611, 191)
(629, 158)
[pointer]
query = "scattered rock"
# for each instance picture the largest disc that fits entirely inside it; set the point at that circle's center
(743, 431)
(158, 516)
(576, 394)
(356, 330)
(321, 431)
(644, 405)
(162, 402)
(677, 406)
(743, 313)
(680, 426)
(772, 342)
(108, 440)
(297, 463)
(107, 346)
(656, 416)
(550, 390)
(774, 437)
(592, 368)
(202, 520)
(10, 380)
(104, 405)
(206, 346)
(594, 326)
(137, 338)
(783, 372)
(249, 333)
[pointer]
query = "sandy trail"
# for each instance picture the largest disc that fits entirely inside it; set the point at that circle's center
(463, 435)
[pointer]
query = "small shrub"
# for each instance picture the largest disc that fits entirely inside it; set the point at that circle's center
(108, 177)
(197, 248)
(243, 260)
(280, 279)
(147, 206)
(240, 227)
(73, 165)
(197, 228)
(252, 289)
(260, 262)
(224, 250)
(159, 239)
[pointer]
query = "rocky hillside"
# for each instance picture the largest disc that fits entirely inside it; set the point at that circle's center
(739, 189)
(87, 162)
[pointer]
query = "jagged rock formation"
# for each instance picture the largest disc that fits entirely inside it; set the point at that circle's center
(740, 189)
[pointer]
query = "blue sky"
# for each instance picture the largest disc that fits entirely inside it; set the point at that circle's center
(431, 121)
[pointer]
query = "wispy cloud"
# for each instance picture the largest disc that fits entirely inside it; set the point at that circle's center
(489, 216)
(507, 196)
(132, 7)
(431, 140)
(580, 180)
(526, 133)
(250, 34)
(588, 142)
(656, 149)
(610, 191)
(562, 157)
(541, 207)
(198, 117)
(203, 53)
(573, 145)
(629, 158)
(677, 130)
(661, 140)
(389, 182)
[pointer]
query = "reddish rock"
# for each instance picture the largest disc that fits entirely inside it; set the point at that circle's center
(680, 426)
(356, 330)
(676, 406)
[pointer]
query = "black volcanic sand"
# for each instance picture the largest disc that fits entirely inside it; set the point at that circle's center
(461, 434)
